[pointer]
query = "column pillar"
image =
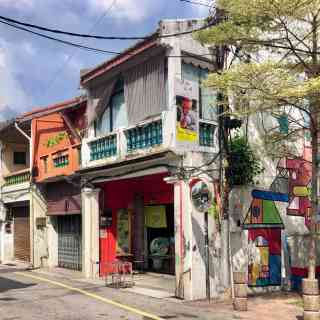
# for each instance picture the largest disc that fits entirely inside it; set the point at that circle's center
(183, 240)
(2, 231)
(90, 232)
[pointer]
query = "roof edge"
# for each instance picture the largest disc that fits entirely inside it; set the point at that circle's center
(125, 55)
(51, 108)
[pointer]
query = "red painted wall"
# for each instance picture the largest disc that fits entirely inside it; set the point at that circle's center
(120, 194)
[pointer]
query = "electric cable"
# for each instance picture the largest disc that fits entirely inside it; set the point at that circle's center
(92, 49)
(60, 40)
(70, 56)
(99, 37)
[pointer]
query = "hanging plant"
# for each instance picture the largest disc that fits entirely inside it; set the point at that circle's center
(243, 165)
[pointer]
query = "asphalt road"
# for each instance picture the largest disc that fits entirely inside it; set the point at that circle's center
(28, 295)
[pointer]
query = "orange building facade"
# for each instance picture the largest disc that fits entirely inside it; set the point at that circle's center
(57, 141)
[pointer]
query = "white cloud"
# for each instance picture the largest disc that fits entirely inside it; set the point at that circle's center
(132, 10)
(12, 95)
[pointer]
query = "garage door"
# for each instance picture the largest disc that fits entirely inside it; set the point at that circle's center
(69, 246)
(21, 235)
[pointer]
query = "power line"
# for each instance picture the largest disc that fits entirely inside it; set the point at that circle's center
(91, 49)
(70, 56)
(99, 37)
(60, 40)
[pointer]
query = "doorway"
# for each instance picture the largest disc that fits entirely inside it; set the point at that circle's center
(69, 242)
(21, 233)
(159, 238)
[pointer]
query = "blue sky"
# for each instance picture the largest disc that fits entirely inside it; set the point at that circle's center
(36, 72)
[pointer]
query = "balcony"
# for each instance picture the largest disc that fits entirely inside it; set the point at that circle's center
(104, 147)
(17, 178)
(145, 138)
(149, 137)
(15, 184)
(61, 163)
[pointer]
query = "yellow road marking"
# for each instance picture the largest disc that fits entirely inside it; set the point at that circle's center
(92, 295)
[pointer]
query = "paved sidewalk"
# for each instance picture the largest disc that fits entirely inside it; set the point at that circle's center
(280, 306)
(284, 306)
(54, 300)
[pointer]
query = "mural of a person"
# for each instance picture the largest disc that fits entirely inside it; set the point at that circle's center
(186, 115)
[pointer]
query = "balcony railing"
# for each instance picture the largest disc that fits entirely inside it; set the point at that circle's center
(206, 134)
(103, 148)
(151, 136)
(61, 161)
(17, 178)
(145, 136)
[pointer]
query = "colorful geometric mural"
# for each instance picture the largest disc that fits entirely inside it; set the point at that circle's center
(264, 268)
(294, 178)
(264, 223)
(263, 212)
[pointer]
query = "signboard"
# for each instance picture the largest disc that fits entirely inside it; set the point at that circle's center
(187, 120)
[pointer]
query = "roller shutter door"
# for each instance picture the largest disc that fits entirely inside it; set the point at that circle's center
(21, 223)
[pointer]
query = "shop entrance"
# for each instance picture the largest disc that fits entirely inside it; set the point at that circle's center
(159, 228)
(137, 224)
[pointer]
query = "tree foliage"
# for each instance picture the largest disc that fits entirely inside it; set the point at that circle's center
(243, 165)
(280, 42)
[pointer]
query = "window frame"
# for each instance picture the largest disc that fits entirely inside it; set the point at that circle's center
(117, 90)
(20, 153)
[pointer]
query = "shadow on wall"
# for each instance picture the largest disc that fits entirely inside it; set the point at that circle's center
(200, 245)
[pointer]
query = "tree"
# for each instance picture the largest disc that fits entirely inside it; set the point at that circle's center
(277, 43)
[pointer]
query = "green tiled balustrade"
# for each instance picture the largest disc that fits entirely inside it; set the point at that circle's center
(146, 136)
(61, 161)
(206, 134)
(103, 148)
(17, 178)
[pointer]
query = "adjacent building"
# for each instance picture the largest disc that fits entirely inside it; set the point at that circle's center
(148, 116)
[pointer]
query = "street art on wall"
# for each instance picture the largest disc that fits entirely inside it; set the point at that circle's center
(264, 223)
(264, 268)
(294, 178)
(263, 212)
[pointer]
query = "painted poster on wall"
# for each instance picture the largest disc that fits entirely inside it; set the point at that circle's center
(187, 97)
